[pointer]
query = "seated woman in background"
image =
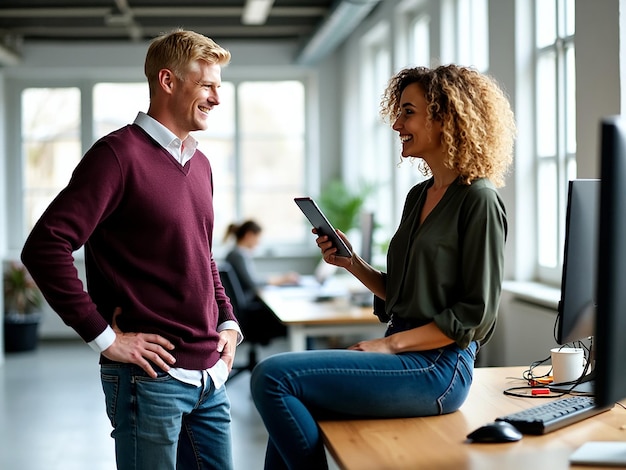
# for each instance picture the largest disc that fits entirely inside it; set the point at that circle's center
(247, 237)
(259, 321)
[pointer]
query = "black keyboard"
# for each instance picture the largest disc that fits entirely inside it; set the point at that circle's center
(554, 415)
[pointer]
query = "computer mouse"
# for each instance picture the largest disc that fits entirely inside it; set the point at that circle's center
(498, 431)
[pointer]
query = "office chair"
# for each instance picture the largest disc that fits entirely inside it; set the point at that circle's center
(257, 322)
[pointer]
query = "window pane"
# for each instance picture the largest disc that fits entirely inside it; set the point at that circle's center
(569, 17)
(464, 32)
(272, 107)
(222, 117)
(420, 41)
(117, 104)
(546, 105)
(373, 163)
(547, 223)
(570, 100)
(50, 145)
(268, 163)
(571, 168)
(272, 157)
(545, 21)
(471, 33)
(480, 34)
(281, 219)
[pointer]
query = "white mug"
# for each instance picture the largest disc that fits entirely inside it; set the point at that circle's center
(568, 364)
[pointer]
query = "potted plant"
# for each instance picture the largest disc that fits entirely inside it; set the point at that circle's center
(343, 205)
(22, 309)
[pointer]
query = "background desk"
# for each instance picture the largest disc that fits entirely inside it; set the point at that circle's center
(297, 309)
(439, 442)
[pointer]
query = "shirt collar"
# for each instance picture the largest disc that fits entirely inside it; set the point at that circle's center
(166, 138)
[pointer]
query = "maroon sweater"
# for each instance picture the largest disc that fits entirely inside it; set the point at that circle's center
(146, 223)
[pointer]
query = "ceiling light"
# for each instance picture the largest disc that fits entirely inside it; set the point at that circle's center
(256, 11)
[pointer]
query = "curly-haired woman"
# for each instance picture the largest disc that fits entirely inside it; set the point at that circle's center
(441, 290)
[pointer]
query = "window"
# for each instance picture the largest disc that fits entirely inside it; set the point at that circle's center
(272, 138)
(466, 33)
(419, 40)
(51, 147)
(375, 161)
(414, 46)
(117, 104)
(555, 121)
(255, 142)
(412, 38)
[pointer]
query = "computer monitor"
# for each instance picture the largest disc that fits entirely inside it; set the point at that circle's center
(610, 324)
(610, 336)
(577, 306)
(367, 236)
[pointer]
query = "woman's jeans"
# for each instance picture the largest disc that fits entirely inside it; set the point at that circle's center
(293, 390)
(166, 424)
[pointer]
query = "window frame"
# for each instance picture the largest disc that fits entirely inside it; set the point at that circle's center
(563, 160)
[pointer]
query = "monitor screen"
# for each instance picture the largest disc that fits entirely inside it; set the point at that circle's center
(367, 236)
(577, 306)
(611, 281)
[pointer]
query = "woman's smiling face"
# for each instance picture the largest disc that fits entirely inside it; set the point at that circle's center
(420, 136)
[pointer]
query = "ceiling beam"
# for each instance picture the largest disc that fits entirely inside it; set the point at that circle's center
(165, 11)
(89, 12)
(214, 31)
(338, 25)
(8, 57)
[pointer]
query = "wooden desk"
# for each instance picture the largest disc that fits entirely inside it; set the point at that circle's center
(439, 442)
(297, 309)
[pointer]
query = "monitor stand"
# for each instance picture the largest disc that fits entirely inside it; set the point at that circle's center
(584, 385)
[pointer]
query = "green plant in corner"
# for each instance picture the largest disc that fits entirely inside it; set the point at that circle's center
(343, 205)
(21, 295)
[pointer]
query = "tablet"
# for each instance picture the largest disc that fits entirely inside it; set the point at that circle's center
(321, 223)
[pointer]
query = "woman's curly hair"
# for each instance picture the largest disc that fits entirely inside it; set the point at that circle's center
(478, 126)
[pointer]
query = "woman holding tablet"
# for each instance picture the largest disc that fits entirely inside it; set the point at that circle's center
(440, 292)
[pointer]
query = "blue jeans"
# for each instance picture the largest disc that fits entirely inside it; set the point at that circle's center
(166, 424)
(293, 390)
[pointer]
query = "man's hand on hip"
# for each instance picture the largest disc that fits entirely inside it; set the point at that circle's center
(140, 348)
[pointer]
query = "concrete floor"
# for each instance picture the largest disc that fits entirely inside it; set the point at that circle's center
(52, 413)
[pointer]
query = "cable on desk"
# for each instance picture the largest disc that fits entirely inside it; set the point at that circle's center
(536, 382)
(514, 392)
(533, 379)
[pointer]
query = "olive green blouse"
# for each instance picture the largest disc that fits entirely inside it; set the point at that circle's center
(450, 268)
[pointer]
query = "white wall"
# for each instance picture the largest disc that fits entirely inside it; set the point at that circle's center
(525, 328)
(598, 81)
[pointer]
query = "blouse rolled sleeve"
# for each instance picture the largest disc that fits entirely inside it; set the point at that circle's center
(482, 234)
